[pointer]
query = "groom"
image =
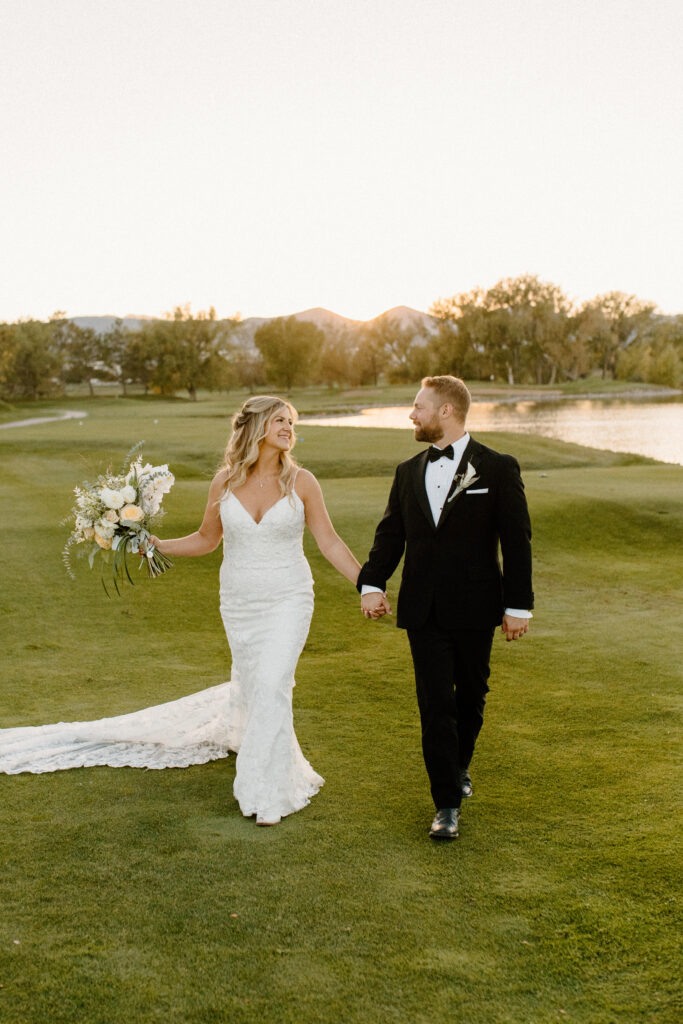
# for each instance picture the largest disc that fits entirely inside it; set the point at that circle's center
(450, 507)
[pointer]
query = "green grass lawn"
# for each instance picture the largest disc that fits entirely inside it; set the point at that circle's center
(134, 896)
(319, 400)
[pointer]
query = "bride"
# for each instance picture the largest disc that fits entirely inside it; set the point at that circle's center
(258, 503)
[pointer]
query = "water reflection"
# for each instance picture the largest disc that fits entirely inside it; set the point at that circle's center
(647, 427)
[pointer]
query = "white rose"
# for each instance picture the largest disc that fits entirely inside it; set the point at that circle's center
(104, 528)
(128, 493)
(112, 499)
(111, 516)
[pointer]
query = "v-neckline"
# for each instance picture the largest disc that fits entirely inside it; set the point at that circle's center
(257, 522)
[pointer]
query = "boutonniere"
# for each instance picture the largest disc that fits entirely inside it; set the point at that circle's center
(464, 480)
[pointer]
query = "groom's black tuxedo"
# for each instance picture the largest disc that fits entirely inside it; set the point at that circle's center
(453, 594)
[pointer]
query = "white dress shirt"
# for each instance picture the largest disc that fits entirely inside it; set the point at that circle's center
(439, 476)
(438, 481)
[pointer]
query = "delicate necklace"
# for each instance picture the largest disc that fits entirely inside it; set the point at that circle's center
(270, 476)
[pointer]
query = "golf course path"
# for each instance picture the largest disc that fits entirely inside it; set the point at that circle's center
(69, 414)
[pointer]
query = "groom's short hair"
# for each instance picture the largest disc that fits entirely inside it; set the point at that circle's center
(452, 390)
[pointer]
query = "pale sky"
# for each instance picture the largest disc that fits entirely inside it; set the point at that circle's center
(265, 156)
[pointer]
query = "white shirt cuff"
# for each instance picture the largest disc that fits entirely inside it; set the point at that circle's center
(367, 589)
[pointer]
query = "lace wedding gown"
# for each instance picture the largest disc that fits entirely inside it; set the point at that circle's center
(266, 602)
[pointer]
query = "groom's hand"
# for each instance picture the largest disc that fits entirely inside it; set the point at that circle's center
(375, 605)
(514, 628)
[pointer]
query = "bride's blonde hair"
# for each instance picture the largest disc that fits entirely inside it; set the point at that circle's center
(249, 427)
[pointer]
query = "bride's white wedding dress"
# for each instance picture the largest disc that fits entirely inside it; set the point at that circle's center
(266, 602)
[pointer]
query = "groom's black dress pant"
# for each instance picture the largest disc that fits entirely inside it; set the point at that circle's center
(451, 677)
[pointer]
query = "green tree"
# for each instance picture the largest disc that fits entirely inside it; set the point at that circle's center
(112, 348)
(337, 358)
(188, 351)
(392, 349)
(78, 349)
(291, 350)
(624, 320)
(531, 320)
(247, 366)
(461, 343)
(30, 361)
(656, 356)
(8, 348)
(373, 355)
(137, 362)
(518, 329)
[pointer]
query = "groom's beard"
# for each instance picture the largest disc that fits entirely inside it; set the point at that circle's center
(429, 432)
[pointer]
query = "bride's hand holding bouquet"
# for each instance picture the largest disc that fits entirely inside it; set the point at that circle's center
(113, 516)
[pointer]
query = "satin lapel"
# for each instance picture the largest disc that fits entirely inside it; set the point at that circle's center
(419, 469)
(469, 455)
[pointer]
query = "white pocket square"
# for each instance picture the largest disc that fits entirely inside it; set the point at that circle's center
(477, 490)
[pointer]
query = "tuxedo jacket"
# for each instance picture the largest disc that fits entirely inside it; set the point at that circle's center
(454, 567)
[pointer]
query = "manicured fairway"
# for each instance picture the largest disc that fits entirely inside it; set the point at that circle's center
(131, 896)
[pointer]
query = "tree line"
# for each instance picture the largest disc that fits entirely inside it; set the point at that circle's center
(521, 330)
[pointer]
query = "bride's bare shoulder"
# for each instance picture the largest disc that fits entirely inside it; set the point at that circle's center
(306, 485)
(304, 479)
(219, 482)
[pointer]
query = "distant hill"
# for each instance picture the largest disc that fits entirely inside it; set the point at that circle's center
(103, 324)
(325, 319)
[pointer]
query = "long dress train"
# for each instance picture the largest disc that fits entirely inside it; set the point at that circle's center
(266, 602)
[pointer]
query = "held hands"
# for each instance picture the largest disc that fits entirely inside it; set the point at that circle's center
(375, 605)
(514, 628)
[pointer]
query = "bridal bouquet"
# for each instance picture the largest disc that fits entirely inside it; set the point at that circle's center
(113, 518)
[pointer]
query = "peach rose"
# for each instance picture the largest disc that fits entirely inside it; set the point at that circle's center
(131, 514)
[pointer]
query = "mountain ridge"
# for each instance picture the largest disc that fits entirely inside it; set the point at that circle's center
(325, 319)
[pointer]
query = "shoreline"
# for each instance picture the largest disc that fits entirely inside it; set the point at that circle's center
(505, 398)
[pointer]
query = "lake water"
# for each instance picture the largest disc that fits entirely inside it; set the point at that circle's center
(644, 426)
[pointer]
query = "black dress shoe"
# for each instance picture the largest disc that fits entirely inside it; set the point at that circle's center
(445, 824)
(466, 783)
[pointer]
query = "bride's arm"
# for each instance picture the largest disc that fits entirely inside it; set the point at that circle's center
(318, 521)
(207, 537)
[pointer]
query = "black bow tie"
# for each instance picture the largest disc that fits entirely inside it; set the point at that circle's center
(434, 454)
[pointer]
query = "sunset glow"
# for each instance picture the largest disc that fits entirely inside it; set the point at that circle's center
(267, 157)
